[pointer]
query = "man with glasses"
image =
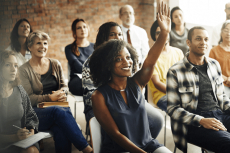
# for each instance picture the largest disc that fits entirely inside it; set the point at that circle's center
(217, 30)
(134, 35)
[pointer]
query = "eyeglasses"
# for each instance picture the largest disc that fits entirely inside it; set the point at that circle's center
(128, 13)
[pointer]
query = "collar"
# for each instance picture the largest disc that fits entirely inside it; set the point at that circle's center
(188, 65)
(126, 29)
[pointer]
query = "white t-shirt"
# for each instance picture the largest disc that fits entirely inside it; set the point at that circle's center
(20, 58)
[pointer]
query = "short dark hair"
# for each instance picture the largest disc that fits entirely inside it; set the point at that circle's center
(4, 55)
(153, 30)
(190, 32)
(171, 15)
(103, 33)
(15, 45)
(102, 60)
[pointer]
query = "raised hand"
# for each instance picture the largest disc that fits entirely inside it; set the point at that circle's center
(163, 17)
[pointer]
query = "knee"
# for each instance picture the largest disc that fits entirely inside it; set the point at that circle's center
(31, 149)
(62, 112)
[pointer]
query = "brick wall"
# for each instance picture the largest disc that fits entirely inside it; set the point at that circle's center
(55, 18)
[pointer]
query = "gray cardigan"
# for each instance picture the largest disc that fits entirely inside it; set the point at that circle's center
(31, 81)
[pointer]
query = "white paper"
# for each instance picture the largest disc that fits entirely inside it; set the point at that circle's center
(31, 140)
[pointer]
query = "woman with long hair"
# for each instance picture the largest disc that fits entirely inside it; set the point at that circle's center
(15, 107)
(108, 31)
(76, 54)
(222, 54)
(118, 102)
(43, 80)
(18, 37)
(178, 33)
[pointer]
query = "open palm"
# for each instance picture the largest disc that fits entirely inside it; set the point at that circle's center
(163, 17)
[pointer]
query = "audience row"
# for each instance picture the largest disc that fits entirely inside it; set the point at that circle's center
(111, 75)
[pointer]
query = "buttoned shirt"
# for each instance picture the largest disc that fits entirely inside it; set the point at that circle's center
(182, 96)
(139, 40)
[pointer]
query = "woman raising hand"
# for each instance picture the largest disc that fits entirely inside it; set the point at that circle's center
(118, 103)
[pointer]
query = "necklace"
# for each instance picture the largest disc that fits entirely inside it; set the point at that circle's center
(122, 90)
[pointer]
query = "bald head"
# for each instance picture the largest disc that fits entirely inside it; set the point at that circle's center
(227, 10)
(126, 14)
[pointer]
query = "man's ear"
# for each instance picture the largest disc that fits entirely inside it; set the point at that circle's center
(188, 43)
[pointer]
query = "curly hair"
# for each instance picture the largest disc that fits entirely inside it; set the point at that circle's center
(74, 47)
(102, 60)
(4, 55)
(103, 33)
(15, 45)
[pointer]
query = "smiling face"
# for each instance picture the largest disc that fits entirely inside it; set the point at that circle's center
(122, 64)
(177, 18)
(127, 16)
(24, 29)
(199, 44)
(9, 69)
(39, 47)
(115, 33)
(81, 30)
(225, 33)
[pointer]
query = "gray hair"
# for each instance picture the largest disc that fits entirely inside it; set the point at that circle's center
(223, 27)
(33, 35)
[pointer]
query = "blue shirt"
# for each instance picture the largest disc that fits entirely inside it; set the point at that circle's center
(75, 62)
(130, 119)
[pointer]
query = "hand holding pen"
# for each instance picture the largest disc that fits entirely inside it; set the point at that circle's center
(24, 133)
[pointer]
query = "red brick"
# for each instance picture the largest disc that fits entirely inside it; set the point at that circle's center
(15, 16)
(37, 18)
(23, 2)
(24, 15)
(21, 7)
(30, 10)
(22, 11)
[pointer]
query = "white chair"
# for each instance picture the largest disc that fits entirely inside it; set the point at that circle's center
(95, 130)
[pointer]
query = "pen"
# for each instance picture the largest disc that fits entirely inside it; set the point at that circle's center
(19, 128)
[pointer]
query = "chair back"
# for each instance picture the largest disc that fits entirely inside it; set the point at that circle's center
(95, 130)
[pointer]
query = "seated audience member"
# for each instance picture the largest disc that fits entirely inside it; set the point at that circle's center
(76, 54)
(15, 107)
(169, 56)
(118, 102)
(178, 33)
(134, 35)
(43, 80)
(18, 37)
(217, 29)
(197, 105)
(222, 54)
(108, 31)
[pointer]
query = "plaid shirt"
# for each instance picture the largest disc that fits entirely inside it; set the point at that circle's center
(182, 95)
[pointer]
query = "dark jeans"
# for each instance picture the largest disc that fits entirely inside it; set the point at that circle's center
(64, 127)
(217, 141)
(75, 86)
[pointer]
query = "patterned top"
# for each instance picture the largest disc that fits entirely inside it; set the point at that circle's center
(182, 96)
(87, 85)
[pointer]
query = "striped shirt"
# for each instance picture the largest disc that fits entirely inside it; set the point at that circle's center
(182, 96)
